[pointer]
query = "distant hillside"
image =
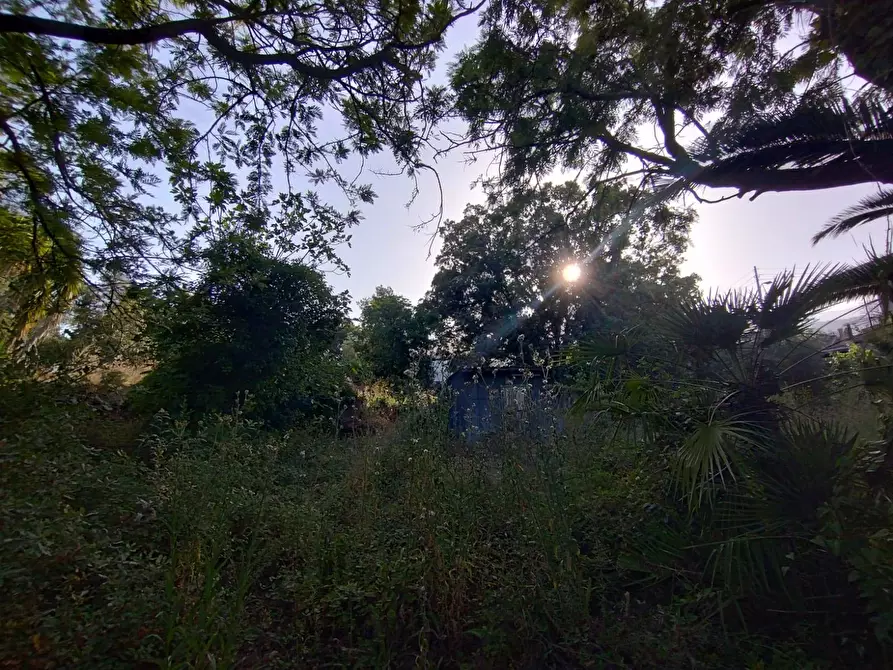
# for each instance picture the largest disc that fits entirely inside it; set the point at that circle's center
(854, 315)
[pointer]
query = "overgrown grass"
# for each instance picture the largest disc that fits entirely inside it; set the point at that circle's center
(228, 546)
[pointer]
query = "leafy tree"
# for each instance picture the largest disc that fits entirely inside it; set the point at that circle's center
(253, 326)
(101, 102)
(580, 86)
(40, 277)
(499, 293)
(103, 331)
(391, 332)
(861, 31)
(356, 364)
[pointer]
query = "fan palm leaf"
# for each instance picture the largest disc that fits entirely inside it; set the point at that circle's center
(869, 209)
(784, 309)
(753, 556)
(594, 349)
(777, 506)
(710, 458)
(715, 322)
(799, 475)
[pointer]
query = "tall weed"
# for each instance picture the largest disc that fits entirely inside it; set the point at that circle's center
(230, 546)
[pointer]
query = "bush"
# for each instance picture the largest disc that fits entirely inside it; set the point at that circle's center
(254, 332)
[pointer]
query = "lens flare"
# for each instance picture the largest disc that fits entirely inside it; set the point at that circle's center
(571, 273)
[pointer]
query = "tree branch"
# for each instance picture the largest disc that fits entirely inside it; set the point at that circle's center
(613, 143)
(713, 201)
(21, 162)
(666, 119)
(606, 96)
(207, 28)
(34, 25)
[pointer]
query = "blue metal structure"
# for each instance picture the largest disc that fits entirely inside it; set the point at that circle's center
(490, 400)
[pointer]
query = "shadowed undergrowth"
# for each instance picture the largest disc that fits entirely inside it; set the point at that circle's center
(229, 546)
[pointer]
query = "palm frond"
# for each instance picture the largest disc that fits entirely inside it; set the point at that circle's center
(798, 477)
(811, 135)
(776, 506)
(710, 458)
(658, 551)
(750, 556)
(630, 403)
(869, 209)
(787, 305)
(715, 322)
(873, 278)
(594, 348)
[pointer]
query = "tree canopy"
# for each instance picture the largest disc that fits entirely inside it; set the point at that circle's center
(102, 103)
(252, 325)
(499, 291)
(754, 96)
(391, 332)
(40, 276)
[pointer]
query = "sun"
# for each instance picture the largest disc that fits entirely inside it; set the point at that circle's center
(571, 273)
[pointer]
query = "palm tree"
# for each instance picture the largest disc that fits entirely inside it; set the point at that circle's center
(871, 279)
(752, 472)
(818, 144)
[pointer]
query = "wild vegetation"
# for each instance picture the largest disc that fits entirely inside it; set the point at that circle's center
(207, 463)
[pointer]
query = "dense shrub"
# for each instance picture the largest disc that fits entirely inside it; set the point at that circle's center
(254, 331)
(780, 508)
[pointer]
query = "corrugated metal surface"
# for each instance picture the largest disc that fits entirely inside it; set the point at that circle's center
(503, 400)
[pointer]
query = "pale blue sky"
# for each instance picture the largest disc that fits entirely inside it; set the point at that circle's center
(772, 232)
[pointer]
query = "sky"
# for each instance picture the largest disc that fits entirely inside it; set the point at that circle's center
(771, 233)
